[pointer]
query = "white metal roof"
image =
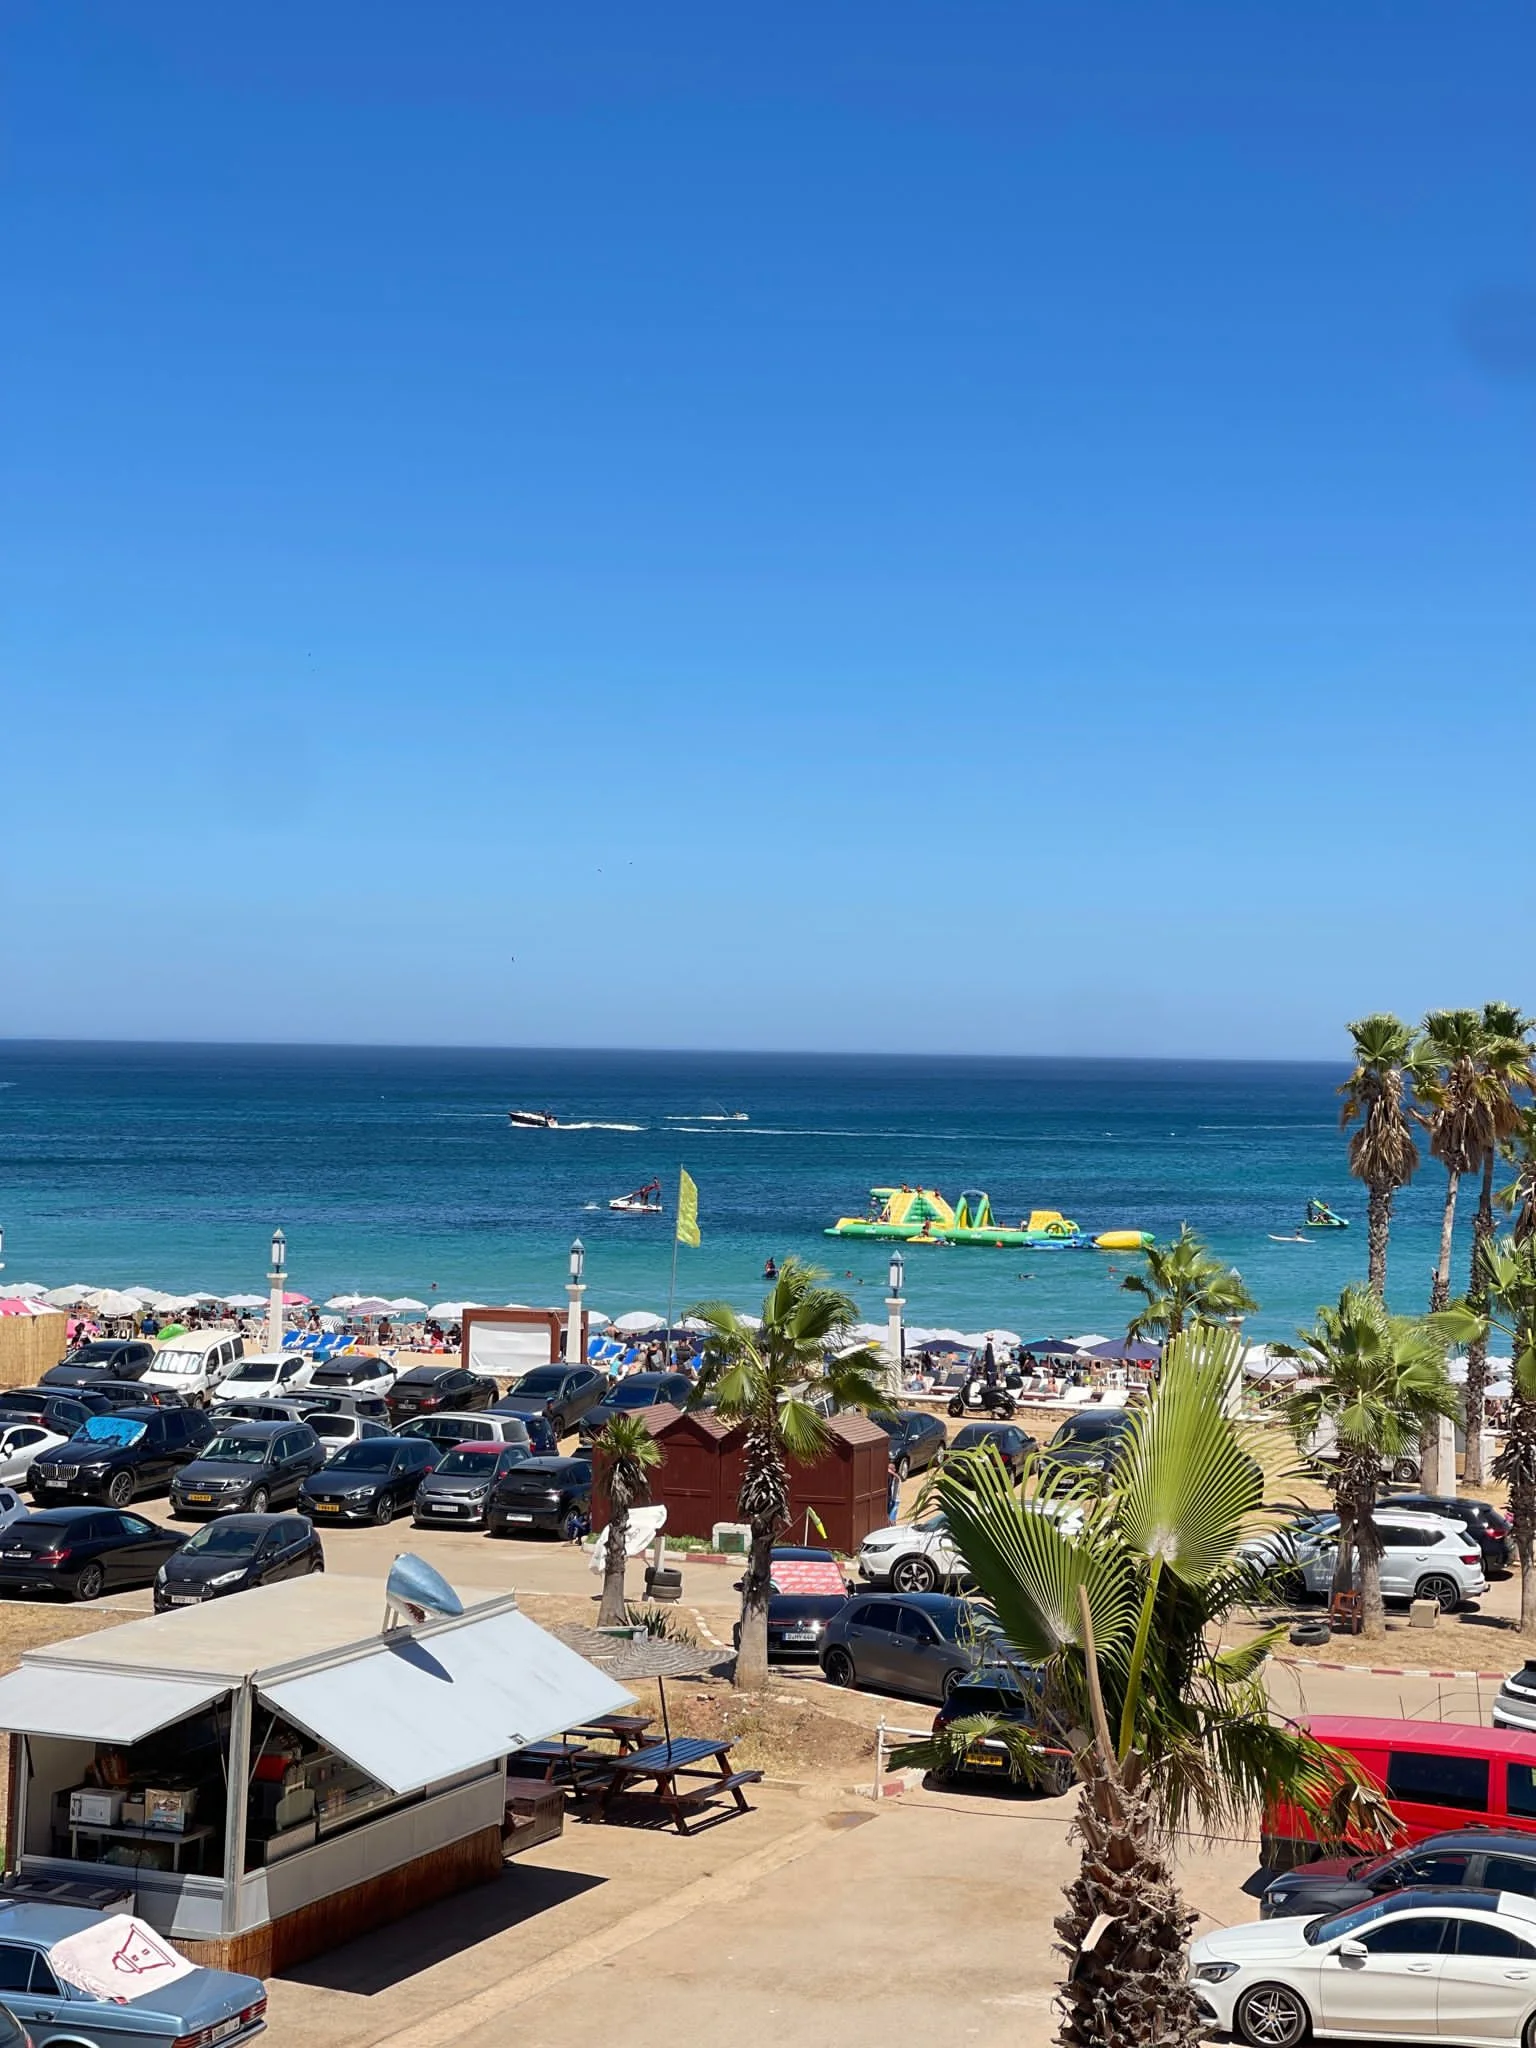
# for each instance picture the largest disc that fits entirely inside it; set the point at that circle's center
(425, 1707)
(113, 1706)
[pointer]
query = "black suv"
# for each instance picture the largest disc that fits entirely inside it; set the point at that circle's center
(916, 1439)
(247, 1468)
(62, 1413)
(116, 1456)
(1485, 1525)
(563, 1393)
(426, 1388)
(1093, 1440)
(1482, 1858)
(628, 1396)
(106, 1358)
(554, 1494)
(1011, 1693)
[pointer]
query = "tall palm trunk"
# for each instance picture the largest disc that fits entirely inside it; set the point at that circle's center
(1378, 1225)
(764, 1500)
(1516, 1466)
(1477, 1350)
(610, 1609)
(1356, 1501)
(1440, 1289)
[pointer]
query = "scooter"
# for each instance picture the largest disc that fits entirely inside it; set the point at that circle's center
(977, 1397)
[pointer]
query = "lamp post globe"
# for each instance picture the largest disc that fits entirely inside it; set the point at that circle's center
(276, 1274)
(575, 1335)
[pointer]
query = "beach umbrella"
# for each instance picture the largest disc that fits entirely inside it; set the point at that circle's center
(27, 1290)
(145, 1294)
(596, 1320)
(1126, 1351)
(1003, 1336)
(295, 1301)
(370, 1305)
(246, 1301)
(10, 1306)
(344, 1301)
(201, 1296)
(639, 1322)
(1091, 1337)
(405, 1305)
(114, 1301)
(68, 1297)
(1499, 1390)
(1052, 1347)
(448, 1311)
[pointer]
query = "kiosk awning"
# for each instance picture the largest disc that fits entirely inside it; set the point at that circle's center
(97, 1705)
(426, 1708)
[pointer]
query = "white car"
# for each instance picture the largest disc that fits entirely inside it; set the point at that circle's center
(269, 1374)
(194, 1363)
(1423, 1557)
(1412, 1966)
(338, 1427)
(911, 1557)
(20, 1443)
(1515, 1706)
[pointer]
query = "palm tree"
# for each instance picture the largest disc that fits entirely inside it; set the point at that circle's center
(1509, 1282)
(1381, 1152)
(1507, 1075)
(776, 1379)
(1184, 1283)
(1173, 1731)
(1519, 1198)
(1458, 1119)
(625, 1456)
(1380, 1379)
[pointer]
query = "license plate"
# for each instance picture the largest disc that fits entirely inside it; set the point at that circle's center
(799, 1635)
(223, 2030)
(519, 1518)
(326, 1507)
(181, 1599)
(202, 1499)
(57, 1484)
(986, 1759)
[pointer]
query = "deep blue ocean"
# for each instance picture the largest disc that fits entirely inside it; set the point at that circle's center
(396, 1171)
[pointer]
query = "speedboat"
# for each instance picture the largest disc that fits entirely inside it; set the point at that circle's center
(534, 1119)
(644, 1201)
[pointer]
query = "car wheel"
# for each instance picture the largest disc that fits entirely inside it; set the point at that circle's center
(838, 1667)
(903, 1469)
(1405, 1471)
(383, 1510)
(1440, 1588)
(950, 1680)
(1057, 1777)
(88, 1583)
(1272, 2016)
(573, 1525)
(915, 1575)
(120, 1489)
(1528, 2033)
(316, 1564)
(258, 1504)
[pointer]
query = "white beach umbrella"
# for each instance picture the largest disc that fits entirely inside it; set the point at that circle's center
(344, 1301)
(596, 1320)
(177, 1304)
(201, 1296)
(246, 1301)
(115, 1301)
(638, 1322)
(751, 1322)
(1499, 1390)
(406, 1305)
(451, 1311)
(870, 1333)
(68, 1297)
(370, 1305)
(1089, 1338)
(26, 1290)
(145, 1294)
(1004, 1336)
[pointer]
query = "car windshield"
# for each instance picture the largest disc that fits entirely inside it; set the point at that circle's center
(236, 1450)
(91, 1354)
(222, 1539)
(343, 1375)
(1335, 1924)
(1087, 1429)
(178, 1365)
(545, 1380)
(114, 1430)
(330, 1425)
(628, 1395)
(483, 1462)
(935, 1525)
(423, 1376)
(377, 1454)
(256, 1369)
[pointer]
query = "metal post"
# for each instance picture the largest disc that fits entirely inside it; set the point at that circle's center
(236, 1792)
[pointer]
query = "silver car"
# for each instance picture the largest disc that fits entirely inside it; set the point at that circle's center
(917, 1644)
(1423, 1557)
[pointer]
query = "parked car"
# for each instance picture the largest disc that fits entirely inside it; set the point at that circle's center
(1490, 1529)
(552, 1494)
(1475, 1857)
(427, 1388)
(266, 1372)
(357, 1401)
(236, 1553)
(1423, 1557)
(83, 1552)
(193, 1364)
(369, 1481)
(247, 1468)
(353, 1373)
(201, 2007)
(22, 1440)
(640, 1390)
(459, 1491)
(1093, 1440)
(911, 1557)
(104, 1358)
(1410, 1966)
(337, 1427)
(917, 1644)
(1514, 1704)
(222, 1413)
(1012, 1444)
(118, 1456)
(560, 1393)
(1011, 1693)
(916, 1439)
(797, 1623)
(63, 1413)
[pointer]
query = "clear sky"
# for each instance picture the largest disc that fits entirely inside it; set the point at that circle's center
(983, 526)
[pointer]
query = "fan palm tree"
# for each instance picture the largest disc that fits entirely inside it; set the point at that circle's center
(1173, 1730)
(1509, 1283)
(625, 1455)
(1184, 1283)
(1458, 1117)
(1380, 1379)
(1506, 1063)
(1382, 1153)
(1519, 1198)
(776, 1379)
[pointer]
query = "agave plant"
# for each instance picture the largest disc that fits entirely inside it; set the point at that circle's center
(1117, 1603)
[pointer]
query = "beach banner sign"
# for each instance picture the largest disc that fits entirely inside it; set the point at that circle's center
(687, 1208)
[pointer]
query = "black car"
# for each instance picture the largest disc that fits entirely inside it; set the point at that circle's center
(1483, 1858)
(561, 1393)
(458, 1492)
(116, 1456)
(916, 1439)
(232, 1555)
(1012, 1444)
(426, 1387)
(347, 1375)
(1485, 1525)
(369, 1481)
(1009, 1693)
(640, 1390)
(83, 1552)
(553, 1494)
(62, 1413)
(1093, 1440)
(795, 1624)
(105, 1358)
(247, 1468)
(331, 1401)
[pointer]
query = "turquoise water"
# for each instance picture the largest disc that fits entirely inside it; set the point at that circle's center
(396, 1171)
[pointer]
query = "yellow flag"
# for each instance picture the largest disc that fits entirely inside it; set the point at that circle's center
(816, 1523)
(687, 1208)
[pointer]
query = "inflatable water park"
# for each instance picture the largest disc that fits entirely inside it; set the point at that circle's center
(922, 1216)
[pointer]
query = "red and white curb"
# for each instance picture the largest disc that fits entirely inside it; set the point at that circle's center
(1390, 1670)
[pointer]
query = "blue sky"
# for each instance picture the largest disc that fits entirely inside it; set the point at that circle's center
(985, 527)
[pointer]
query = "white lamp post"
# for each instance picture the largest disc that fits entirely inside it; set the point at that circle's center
(895, 1344)
(573, 1293)
(275, 1279)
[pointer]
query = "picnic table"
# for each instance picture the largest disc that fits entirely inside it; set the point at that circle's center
(704, 1764)
(627, 1730)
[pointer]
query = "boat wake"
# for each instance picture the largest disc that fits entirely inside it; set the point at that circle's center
(595, 1126)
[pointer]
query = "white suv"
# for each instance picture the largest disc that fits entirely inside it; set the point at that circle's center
(912, 1557)
(1423, 1557)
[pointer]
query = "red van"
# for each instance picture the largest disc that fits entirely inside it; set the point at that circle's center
(1436, 1775)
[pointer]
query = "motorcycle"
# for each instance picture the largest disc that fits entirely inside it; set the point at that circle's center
(980, 1397)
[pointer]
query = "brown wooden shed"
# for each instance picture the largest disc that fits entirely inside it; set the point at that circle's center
(699, 1478)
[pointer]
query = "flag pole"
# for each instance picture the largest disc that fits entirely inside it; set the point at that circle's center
(671, 1295)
